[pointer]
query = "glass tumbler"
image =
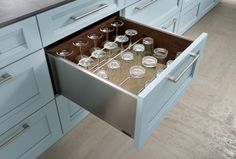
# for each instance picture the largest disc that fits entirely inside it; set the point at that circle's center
(148, 42)
(139, 53)
(160, 54)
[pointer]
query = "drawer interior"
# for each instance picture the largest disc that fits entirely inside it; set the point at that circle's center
(107, 99)
(165, 40)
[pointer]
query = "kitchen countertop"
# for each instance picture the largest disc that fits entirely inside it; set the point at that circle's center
(12, 11)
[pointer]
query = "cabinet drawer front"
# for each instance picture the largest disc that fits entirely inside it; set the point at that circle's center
(150, 12)
(186, 3)
(134, 114)
(129, 2)
(24, 82)
(70, 113)
(18, 40)
(31, 136)
(188, 17)
(206, 5)
(62, 21)
(171, 24)
(162, 93)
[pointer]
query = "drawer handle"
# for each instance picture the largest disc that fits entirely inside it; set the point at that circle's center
(144, 5)
(172, 23)
(22, 130)
(99, 7)
(5, 77)
(176, 79)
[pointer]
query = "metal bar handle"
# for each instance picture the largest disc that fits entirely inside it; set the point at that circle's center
(173, 22)
(24, 128)
(146, 4)
(99, 7)
(176, 79)
(5, 77)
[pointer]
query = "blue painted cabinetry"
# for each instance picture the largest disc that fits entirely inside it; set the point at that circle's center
(152, 12)
(26, 135)
(70, 113)
(60, 22)
(18, 40)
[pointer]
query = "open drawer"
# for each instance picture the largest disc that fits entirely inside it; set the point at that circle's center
(135, 113)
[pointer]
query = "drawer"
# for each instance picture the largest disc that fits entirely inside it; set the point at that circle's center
(69, 113)
(188, 17)
(129, 2)
(171, 24)
(18, 40)
(58, 23)
(150, 12)
(186, 3)
(24, 82)
(30, 136)
(134, 113)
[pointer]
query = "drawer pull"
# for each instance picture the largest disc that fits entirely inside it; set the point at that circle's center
(172, 23)
(5, 77)
(144, 5)
(176, 79)
(99, 7)
(19, 132)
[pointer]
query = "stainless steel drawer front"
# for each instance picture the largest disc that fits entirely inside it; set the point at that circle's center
(105, 100)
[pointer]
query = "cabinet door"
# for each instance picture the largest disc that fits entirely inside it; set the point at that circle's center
(70, 113)
(18, 40)
(25, 82)
(28, 137)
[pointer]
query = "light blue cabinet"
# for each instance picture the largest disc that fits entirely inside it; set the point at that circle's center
(60, 22)
(170, 24)
(152, 12)
(26, 137)
(18, 40)
(129, 2)
(24, 83)
(207, 5)
(188, 17)
(70, 113)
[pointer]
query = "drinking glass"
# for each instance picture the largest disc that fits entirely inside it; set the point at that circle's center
(102, 73)
(136, 72)
(122, 39)
(114, 70)
(107, 30)
(160, 54)
(148, 42)
(64, 52)
(86, 62)
(95, 36)
(139, 53)
(80, 42)
(131, 33)
(117, 24)
(110, 46)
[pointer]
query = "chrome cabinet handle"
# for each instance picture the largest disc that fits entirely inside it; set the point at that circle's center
(172, 23)
(176, 79)
(144, 5)
(99, 7)
(5, 77)
(24, 128)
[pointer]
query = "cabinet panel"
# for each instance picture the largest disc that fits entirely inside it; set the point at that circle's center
(151, 12)
(67, 19)
(207, 5)
(23, 83)
(188, 17)
(18, 40)
(171, 24)
(29, 137)
(70, 113)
